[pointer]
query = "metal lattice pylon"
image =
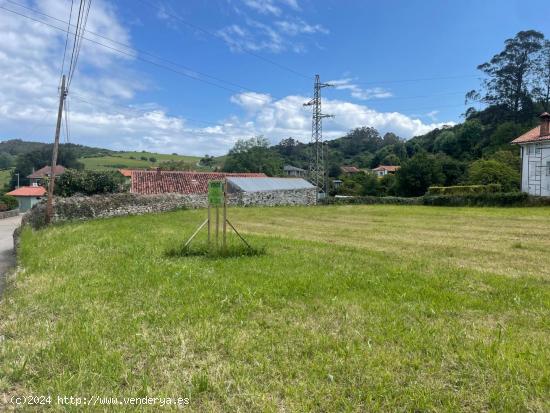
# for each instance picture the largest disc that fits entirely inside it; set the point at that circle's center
(317, 166)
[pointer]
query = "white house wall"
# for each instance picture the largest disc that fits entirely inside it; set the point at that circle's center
(535, 173)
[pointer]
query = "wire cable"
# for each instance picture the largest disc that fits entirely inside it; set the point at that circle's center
(66, 42)
(208, 32)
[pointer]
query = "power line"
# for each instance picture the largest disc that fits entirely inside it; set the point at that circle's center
(138, 57)
(208, 32)
(135, 110)
(79, 38)
(190, 69)
(66, 41)
(71, 61)
(422, 79)
(134, 49)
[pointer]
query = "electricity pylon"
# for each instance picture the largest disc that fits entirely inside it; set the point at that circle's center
(317, 166)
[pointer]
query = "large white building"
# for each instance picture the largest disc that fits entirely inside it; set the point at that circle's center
(535, 157)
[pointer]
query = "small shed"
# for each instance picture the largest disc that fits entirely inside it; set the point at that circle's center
(28, 196)
(290, 170)
(268, 191)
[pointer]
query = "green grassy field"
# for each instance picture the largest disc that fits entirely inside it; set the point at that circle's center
(124, 160)
(352, 308)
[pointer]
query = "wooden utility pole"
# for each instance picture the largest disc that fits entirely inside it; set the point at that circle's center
(49, 205)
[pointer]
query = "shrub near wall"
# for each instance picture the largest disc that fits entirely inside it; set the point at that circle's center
(464, 189)
(488, 199)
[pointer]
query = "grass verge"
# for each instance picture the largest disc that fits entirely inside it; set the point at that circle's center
(354, 308)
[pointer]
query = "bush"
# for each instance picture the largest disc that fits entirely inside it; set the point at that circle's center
(483, 172)
(371, 200)
(152, 159)
(89, 183)
(464, 189)
(483, 199)
(9, 201)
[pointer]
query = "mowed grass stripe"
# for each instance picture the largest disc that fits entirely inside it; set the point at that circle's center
(311, 326)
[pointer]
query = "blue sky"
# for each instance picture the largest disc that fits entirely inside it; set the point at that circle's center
(401, 66)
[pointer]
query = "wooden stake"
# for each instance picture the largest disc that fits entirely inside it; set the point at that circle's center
(195, 234)
(224, 241)
(237, 232)
(217, 226)
(209, 224)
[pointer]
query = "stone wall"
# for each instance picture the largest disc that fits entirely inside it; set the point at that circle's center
(9, 214)
(111, 205)
(274, 198)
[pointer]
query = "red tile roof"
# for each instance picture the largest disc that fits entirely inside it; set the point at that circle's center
(532, 136)
(350, 169)
(179, 182)
(126, 172)
(389, 168)
(28, 191)
(45, 171)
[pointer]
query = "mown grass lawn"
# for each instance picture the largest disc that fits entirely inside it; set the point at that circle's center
(353, 308)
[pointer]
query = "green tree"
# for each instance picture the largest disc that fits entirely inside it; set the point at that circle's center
(491, 171)
(542, 88)
(360, 184)
(88, 182)
(510, 72)
(253, 155)
(417, 174)
(26, 162)
(6, 160)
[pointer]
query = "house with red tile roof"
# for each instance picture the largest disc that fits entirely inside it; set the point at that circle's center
(38, 176)
(350, 169)
(178, 182)
(535, 158)
(383, 170)
(28, 196)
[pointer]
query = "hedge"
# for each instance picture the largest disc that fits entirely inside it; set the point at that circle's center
(497, 199)
(464, 189)
(370, 200)
(487, 199)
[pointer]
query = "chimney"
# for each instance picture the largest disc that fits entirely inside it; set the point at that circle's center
(545, 124)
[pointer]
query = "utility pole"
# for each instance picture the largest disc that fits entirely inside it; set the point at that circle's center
(317, 167)
(49, 205)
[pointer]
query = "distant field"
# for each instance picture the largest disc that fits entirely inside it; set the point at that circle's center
(353, 308)
(124, 160)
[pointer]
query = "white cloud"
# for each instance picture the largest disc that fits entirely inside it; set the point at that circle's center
(359, 93)
(29, 75)
(299, 26)
(288, 32)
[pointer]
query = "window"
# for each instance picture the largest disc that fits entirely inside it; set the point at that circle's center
(530, 150)
(537, 150)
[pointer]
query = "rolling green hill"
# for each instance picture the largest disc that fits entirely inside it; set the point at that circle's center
(130, 160)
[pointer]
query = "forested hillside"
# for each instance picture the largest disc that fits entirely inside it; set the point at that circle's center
(515, 90)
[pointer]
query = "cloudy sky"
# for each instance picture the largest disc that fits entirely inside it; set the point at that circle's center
(192, 76)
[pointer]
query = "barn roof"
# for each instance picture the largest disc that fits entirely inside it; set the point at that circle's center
(179, 182)
(293, 168)
(268, 184)
(46, 171)
(389, 168)
(28, 191)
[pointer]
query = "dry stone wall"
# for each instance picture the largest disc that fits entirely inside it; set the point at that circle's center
(111, 205)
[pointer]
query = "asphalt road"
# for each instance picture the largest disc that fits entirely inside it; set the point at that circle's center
(7, 255)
